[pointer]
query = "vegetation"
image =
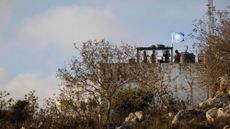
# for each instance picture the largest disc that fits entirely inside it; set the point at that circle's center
(214, 46)
(92, 97)
(17, 112)
(101, 87)
(130, 100)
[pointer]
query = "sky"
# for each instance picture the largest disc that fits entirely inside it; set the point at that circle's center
(37, 37)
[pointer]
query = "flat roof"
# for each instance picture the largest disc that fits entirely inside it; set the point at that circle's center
(154, 48)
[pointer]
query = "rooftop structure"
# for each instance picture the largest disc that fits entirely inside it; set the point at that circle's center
(159, 47)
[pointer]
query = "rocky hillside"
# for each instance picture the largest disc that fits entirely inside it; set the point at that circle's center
(209, 112)
(213, 113)
(206, 113)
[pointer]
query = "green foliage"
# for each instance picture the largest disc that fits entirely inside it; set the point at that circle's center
(20, 111)
(172, 104)
(23, 110)
(129, 100)
(13, 114)
(33, 101)
(5, 102)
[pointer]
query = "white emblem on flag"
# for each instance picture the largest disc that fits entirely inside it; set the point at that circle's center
(177, 37)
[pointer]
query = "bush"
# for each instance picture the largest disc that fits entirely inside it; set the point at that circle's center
(129, 100)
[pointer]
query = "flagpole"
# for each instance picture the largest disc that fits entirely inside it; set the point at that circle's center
(172, 48)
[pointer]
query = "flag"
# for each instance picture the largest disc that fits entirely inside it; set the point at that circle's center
(177, 37)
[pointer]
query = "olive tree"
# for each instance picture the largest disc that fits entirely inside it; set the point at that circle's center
(93, 79)
(91, 76)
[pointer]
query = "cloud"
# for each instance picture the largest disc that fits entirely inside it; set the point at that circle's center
(3, 75)
(66, 25)
(23, 83)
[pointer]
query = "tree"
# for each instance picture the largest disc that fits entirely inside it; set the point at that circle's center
(25, 109)
(129, 100)
(214, 46)
(100, 72)
(91, 76)
(20, 111)
(5, 103)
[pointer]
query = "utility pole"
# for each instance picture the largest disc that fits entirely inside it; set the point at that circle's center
(211, 10)
(211, 26)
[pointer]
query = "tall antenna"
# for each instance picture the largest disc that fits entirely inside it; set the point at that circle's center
(211, 10)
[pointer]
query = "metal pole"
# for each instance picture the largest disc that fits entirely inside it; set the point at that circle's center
(138, 56)
(211, 10)
(172, 53)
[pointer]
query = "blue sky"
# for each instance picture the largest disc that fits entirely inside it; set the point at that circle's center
(36, 37)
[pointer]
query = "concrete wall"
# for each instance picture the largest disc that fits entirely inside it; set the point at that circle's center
(183, 80)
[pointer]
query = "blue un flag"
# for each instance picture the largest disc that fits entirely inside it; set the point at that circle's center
(177, 37)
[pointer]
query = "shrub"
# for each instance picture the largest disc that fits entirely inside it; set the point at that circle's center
(129, 100)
